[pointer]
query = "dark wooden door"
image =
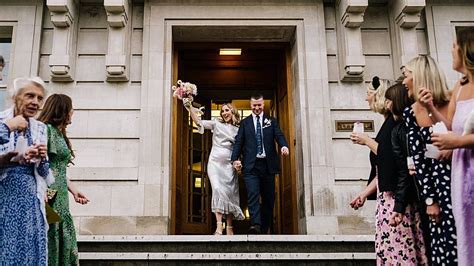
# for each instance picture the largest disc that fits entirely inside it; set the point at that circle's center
(193, 191)
(288, 223)
(198, 190)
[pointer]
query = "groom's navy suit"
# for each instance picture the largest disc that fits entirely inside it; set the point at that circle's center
(259, 173)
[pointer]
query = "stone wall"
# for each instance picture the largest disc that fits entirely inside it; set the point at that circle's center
(92, 51)
(106, 123)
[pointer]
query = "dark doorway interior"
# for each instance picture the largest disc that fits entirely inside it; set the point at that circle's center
(261, 67)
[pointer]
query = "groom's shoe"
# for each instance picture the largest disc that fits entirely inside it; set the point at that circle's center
(254, 230)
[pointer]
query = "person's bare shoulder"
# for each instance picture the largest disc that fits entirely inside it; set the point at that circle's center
(454, 91)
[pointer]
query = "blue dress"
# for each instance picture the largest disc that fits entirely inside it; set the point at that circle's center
(23, 239)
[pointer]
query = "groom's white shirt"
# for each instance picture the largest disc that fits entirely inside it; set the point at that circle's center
(263, 155)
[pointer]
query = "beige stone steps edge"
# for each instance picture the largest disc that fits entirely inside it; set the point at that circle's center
(234, 238)
(224, 256)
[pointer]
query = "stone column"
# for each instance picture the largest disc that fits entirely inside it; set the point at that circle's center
(406, 15)
(117, 60)
(62, 58)
(350, 15)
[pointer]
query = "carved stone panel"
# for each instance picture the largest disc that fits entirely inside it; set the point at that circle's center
(350, 15)
(118, 59)
(61, 61)
(408, 12)
(406, 15)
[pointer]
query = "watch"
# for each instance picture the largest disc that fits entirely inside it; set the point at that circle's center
(429, 201)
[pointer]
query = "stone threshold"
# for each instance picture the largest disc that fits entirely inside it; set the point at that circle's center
(224, 238)
(225, 256)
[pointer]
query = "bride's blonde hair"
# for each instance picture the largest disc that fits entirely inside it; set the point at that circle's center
(235, 114)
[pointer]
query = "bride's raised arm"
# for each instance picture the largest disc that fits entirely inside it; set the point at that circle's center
(192, 113)
(202, 124)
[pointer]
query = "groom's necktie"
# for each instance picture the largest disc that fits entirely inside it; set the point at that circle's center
(259, 137)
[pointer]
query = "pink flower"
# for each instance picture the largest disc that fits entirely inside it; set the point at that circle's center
(184, 90)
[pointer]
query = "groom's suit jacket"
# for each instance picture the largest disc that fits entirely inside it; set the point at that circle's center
(246, 143)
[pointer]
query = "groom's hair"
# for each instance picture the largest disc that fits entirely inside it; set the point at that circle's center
(256, 96)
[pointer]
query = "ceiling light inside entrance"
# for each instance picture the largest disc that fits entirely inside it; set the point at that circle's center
(230, 51)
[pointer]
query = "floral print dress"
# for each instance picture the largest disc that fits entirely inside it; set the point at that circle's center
(402, 244)
(22, 226)
(62, 244)
(434, 178)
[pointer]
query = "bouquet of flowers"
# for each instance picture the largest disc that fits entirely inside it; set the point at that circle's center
(185, 91)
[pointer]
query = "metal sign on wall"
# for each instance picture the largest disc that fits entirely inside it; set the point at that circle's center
(348, 125)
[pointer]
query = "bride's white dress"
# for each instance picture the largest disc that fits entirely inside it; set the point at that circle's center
(224, 181)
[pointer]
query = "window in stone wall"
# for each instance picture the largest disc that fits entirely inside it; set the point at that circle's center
(5, 51)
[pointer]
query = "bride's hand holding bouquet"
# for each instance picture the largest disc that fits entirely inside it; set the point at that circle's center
(185, 91)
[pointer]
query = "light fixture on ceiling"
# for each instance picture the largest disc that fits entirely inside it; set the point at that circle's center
(230, 51)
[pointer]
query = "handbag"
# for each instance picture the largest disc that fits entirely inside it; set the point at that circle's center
(51, 215)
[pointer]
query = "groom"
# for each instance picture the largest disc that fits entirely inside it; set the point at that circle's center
(255, 141)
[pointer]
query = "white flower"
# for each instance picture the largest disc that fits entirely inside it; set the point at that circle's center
(267, 122)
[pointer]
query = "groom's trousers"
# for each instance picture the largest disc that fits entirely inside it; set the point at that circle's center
(260, 183)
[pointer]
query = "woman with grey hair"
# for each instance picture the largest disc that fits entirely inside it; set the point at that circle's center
(24, 181)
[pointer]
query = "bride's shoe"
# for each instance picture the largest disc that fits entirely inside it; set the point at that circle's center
(218, 232)
(229, 230)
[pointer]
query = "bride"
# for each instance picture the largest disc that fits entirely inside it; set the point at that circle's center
(224, 181)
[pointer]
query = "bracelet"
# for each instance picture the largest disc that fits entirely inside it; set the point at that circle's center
(430, 115)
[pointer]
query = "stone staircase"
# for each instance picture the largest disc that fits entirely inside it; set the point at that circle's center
(227, 250)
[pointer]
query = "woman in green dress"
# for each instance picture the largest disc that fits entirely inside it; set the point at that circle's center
(62, 244)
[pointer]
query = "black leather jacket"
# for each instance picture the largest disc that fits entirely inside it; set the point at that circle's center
(407, 188)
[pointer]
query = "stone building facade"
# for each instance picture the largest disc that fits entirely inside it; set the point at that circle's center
(117, 59)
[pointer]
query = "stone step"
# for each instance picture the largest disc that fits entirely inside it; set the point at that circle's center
(232, 258)
(217, 250)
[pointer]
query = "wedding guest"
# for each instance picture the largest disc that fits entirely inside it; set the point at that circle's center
(422, 75)
(23, 186)
(223, 178)
(461, 113)
(62, 244)
(376, 101)
(407, 234)
(394, 243)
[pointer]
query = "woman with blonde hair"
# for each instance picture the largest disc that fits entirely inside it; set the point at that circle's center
(223, 178)
(461, 114)
(62, 245)
(423, 79)
(376, 100)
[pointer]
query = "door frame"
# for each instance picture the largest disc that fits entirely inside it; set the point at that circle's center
(313, 150)
(176, 216)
